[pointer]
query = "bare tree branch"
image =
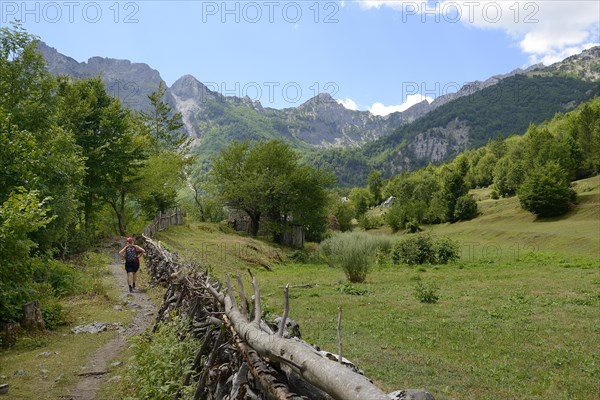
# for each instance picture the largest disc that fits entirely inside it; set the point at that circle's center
(257, 310)
(339, 333)
(242, 294)
(285, 310)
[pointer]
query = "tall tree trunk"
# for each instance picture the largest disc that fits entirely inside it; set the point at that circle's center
(118, 207)
(199, 203)
(87, 210)
(254, 222)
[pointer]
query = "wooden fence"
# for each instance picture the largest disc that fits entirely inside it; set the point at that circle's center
(246, 357)
(163, 220)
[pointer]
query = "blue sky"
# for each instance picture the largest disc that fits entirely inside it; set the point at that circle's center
(370, 55)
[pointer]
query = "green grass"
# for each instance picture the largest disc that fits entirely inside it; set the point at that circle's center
(217, 247)
(518, 316)
(68, 352)
(504, 223)
(498, 331)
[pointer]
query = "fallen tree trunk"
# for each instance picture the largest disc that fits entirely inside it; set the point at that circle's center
(333, 378)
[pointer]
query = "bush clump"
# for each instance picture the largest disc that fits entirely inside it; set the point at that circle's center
(348, 288)
(465, 209)
(368, 222)
(426, 293)
(162, 360)
(354, 252)
(546, 191)
(424, 249)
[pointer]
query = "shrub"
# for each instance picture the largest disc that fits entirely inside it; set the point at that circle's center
(426, 293)
(354, 252)
(53, 314)
(446, 250)
(417, 249)
(348, 288)
(52, 310)
(368, 222)
(60, 276)
(298, 256)
(465, 209)
(162, 360)
(546, 191)
(413, 227)
(308, 255)
(396, 218)
(423, 249)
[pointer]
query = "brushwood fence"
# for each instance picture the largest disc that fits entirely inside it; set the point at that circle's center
(165, 219)
(243, 355)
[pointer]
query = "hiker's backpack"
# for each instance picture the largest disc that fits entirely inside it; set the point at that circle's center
(131, 253)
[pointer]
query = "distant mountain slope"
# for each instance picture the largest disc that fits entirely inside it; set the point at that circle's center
(508, 107)
(130, 82)
(318, 123)
(351, 142)
(585, 65)
(209, 116)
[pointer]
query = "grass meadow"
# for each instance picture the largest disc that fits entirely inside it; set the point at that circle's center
(518, 315)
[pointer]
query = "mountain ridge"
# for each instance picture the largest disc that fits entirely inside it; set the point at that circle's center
(323, 123)
(320, 122)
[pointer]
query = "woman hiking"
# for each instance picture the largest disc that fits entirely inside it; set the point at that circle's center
(131, 252)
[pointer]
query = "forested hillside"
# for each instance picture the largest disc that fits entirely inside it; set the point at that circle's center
(468, 122)
(537, 166)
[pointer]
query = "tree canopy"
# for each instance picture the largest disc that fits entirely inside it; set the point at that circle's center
(268, 182)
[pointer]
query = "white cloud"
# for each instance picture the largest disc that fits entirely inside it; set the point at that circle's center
(377, 4)
(545, 30)
(411, 100)
(349, 104)
(556, 56)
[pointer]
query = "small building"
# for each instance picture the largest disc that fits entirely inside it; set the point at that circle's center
(388, 202)
(240, 221)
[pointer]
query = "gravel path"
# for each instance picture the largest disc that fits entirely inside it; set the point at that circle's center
(97, 363)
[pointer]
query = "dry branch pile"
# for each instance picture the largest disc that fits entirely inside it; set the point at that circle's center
(242, 356)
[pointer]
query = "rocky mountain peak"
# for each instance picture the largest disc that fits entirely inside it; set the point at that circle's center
(321, 102)
(188, 87)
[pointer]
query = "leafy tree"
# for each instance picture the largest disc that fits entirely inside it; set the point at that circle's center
(21, 214)
(453, 187)
(375, 184)
(465, 209)
(483, 171)
(344, 212)
(26, 87)
(168, 156)
(110, 141)
(36, 153)
(585, 130)
(509, 171)
(541, 146)
(165, 126)
(267, 180)
(232, 183)
(361, 199)
(546, 192)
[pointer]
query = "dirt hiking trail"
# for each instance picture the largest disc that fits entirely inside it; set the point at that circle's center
(95, 372)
